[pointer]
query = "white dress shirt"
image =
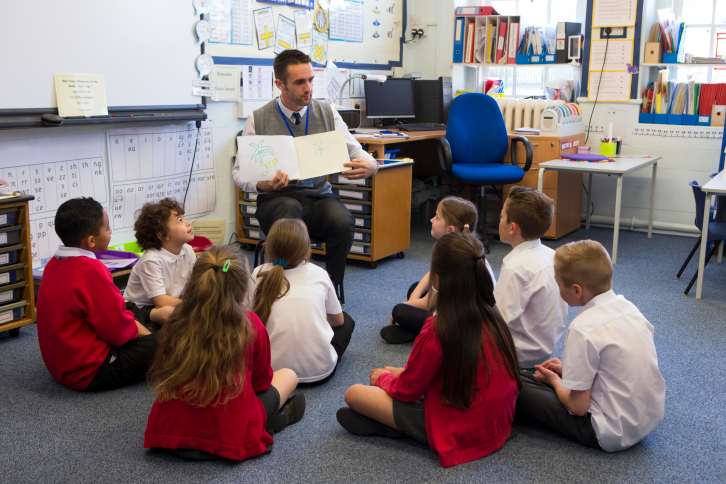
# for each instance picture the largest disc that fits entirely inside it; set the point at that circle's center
(159, 272)
(529, 300)
(355, 150)
(609, 350)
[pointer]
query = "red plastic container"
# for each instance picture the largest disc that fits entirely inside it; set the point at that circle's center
(200, 243)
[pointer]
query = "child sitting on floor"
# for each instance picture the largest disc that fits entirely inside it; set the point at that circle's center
(158, 279)
(296, 301)
(607, 391)
(453, 214)
(216, 394)
(88, 340)
(526, 293)
(458, 389)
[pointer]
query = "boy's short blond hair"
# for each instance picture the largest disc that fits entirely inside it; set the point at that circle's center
(531, 210)
(586, 263)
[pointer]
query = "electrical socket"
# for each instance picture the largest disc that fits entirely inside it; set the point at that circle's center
(416, 20)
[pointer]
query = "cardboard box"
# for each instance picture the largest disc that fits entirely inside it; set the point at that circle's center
(717, 115)
(653, 50)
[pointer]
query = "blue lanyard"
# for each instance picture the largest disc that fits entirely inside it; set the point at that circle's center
(284, 118)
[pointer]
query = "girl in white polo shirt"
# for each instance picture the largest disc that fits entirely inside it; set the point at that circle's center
(296, 302)
(607, 392)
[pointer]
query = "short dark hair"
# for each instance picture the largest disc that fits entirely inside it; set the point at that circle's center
(153, 218)
(78, 218)
(290, 57)
(531, 209)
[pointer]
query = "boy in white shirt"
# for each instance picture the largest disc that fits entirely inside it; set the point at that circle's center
(526, 292)
(159, 278)
(607, 391)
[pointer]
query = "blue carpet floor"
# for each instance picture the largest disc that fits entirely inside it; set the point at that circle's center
(50, 433)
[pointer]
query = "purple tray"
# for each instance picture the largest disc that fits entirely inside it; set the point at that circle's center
(585, 157)
(117, 254)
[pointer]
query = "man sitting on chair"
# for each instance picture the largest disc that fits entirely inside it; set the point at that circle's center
(296, 113)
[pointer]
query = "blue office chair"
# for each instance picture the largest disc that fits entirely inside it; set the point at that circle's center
(474, 147)
(716, 232)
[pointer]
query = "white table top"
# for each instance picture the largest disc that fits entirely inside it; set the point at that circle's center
(717, 184)
(622, 165)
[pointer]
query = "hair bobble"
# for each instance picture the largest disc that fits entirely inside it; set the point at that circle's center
(476, 258)
(280, 262)
(215, 267)
(466, 226)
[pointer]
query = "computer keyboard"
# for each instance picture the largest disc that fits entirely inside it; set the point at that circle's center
(421, 126)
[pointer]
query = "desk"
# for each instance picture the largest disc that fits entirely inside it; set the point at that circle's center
(622, 165)
(379, 144)
(717, 185)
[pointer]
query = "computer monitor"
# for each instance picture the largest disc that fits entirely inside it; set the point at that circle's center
(392, 99)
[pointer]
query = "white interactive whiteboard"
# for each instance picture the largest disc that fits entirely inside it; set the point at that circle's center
(146, 50)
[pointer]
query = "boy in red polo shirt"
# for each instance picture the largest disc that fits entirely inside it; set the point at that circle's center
(88, 340)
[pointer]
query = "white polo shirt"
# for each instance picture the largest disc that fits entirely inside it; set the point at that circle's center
(298, 326)
(609, 349)
(159, 272)
(529, 300)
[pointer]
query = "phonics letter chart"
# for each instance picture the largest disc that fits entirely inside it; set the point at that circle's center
(53, 170)
(151, 163)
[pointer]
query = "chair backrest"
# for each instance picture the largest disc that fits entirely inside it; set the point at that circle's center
(700, 198)
(475, 129)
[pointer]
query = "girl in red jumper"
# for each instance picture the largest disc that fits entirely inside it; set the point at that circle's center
(216, 393)
(458, 389)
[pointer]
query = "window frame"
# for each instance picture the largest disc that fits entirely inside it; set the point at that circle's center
(678, 10)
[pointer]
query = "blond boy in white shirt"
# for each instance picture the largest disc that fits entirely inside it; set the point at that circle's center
(159, 278)
(607, 392)
(526, 292)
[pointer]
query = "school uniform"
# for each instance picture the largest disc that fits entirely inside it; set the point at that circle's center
(529, 300)
(235, 430)
(457, 436)
(300, 335)
(158, 273)
(87, 339)
(609, 350)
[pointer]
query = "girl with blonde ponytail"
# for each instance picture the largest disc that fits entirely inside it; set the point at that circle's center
(297, 303)
(216, 394)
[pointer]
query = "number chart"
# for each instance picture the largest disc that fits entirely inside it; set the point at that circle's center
(53, 170)
(151, 163)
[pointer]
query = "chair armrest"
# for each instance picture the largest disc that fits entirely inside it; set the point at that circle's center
(527, 146)
(444, 149)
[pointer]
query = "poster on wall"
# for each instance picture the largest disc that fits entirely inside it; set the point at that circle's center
(285, 34)
(265, 26)
(303, 28)
(319, 51)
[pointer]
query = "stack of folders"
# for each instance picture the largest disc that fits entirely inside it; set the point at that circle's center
(685, 103)
(536, 47)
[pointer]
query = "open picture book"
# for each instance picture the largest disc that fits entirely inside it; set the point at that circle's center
(301, 157)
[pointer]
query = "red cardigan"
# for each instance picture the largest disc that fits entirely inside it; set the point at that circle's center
(81, 314)
(457, 436)
(235, 430)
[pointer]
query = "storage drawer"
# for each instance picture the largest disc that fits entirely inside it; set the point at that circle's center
(10, 234)
(362, 221)
(8, 216)
(10, 254)
(251, 221)
(362, 195)
(340, 179)
(247, 208)
(11, 273)
(357, 207)
(13, 311)
(11, 292)
(250, 196)
(251, 233)
(361, 236)
(360, 248)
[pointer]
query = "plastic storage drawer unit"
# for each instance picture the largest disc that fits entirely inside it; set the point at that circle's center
(9, 254)
(11, 273)
(8, 216)
(10, 234)
(13, 311)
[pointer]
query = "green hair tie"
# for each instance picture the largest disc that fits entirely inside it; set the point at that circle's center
(226, 266)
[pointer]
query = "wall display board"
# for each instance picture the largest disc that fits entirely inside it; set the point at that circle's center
(371, 33)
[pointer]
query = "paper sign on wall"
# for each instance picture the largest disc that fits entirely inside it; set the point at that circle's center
(265, 25)
(304, 28)
(301, 157)
(319, 52)
(227, 83)
(80, 95)
(285, 34)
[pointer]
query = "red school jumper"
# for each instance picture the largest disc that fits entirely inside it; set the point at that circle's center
(457, 436)
(81, 314)
(235, 430)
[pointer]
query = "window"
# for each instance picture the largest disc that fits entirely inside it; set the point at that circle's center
(705, 37)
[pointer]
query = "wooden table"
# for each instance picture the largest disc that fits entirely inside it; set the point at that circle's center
(717, 185)
(620, 167)
(377, 146)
